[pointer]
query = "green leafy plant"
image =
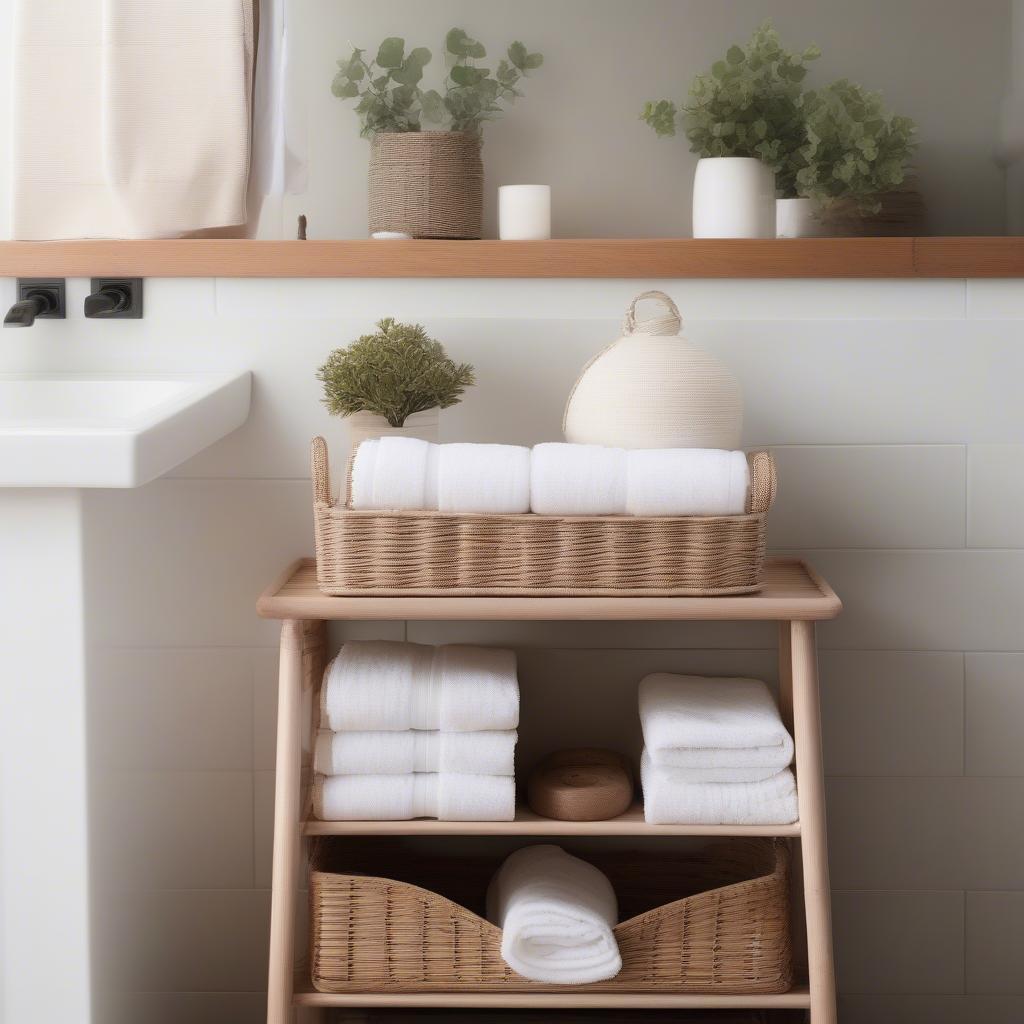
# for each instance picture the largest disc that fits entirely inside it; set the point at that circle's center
(393, 373)
(390, 98)
(854, 147)
(749, 105)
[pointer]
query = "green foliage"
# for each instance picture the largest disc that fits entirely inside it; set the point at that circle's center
(391, 99)
(747, 105)
(393, 373)
(855, 148)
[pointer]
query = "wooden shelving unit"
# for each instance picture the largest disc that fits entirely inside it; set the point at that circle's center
(793, 595)
(991, 256)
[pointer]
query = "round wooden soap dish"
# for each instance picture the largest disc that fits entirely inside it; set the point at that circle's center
(586, 784)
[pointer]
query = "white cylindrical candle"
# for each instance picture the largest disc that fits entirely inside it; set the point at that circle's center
(524, 211)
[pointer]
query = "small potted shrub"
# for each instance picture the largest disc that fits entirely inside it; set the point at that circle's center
(854, 161)
(392, 382)
(744, 119)
(429, 183)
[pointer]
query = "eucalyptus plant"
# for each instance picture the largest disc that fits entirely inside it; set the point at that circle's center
(854, 147)
(748, 105)
(394, 373)
(390, 97)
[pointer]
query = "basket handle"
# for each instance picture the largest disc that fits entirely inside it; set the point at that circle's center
(665, 323)
(321, 471)
(763, 481)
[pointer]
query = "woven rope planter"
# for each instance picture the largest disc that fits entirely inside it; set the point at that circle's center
(461, 554)
(717, 921)
(426, 184)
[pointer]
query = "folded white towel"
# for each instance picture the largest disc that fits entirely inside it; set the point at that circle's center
(672, 798)
(401, 753)
(491, 479)
(553, 479)
(389, 686)
(578, 480)
(406, 473)
(720, 730)
(447, 796)
(556, 913)
(687, 482)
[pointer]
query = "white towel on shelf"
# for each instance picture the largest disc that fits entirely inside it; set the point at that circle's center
(490, 479)
(672, 798)
(401, 753)
(390, 686)
(578, 480)
(719, 729)
(406, 473)
(687, 482)
(447, 796)
(556, 913)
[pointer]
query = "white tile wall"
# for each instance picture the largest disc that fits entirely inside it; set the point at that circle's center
(892, 417)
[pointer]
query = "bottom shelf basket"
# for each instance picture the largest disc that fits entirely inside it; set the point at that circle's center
(713, 921)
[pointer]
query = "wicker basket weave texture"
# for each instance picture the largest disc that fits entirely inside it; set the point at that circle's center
(426, 184)
(438, 553)
(715, 922)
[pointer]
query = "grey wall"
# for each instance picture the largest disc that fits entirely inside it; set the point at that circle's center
(941, 62)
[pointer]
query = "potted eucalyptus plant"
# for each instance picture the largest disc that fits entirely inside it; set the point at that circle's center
(392, 382)
(428, 183)
(744, 119)
(853, 162)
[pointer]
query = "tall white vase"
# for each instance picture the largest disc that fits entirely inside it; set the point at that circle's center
(733, 197)
(798, 218)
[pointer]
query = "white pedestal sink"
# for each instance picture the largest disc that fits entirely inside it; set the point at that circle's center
(59, 434)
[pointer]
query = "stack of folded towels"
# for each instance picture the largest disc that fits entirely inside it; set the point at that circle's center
(715, 753)
(412, 731)
(550, 479)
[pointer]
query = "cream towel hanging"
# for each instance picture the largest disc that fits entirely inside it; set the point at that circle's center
(132, 117)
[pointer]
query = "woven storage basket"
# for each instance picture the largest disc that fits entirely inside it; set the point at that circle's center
(716, 921)
(451, 554)
(426, 184)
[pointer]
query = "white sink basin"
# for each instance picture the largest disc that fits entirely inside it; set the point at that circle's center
(105, 430)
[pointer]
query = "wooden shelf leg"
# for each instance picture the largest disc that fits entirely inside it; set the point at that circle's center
(813, 844)
(287, 788)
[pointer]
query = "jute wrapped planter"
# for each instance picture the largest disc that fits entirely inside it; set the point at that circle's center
(461, 554)
(426, 184)
(715, 921)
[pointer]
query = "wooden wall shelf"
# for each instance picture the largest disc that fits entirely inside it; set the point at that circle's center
(558, 258)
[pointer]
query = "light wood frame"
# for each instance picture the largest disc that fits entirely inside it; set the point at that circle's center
(795, 602)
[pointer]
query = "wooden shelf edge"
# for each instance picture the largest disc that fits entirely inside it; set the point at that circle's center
(648, 258)
(529, 824)
(795, 998)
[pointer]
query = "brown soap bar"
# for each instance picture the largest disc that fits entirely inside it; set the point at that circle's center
(586, 784)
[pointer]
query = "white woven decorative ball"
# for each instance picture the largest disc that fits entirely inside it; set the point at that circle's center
(654, 389)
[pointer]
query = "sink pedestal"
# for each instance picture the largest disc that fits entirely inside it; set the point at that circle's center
(44, 864)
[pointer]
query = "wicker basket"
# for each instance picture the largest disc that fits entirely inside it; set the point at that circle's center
(716, 921)
(461, 554)
(426, 184)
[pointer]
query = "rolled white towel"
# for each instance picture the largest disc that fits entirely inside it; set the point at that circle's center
(671, 797)
(447, 796)
(401, 753)
(719, 729)
(686, 482)
(556, 914)
(403, 470)
(578, 480)
(491, 479)
(390, 686)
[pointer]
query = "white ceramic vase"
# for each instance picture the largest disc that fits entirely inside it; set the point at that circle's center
(654, 389)
(798, 218)
(365, 425)
(733, 197)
